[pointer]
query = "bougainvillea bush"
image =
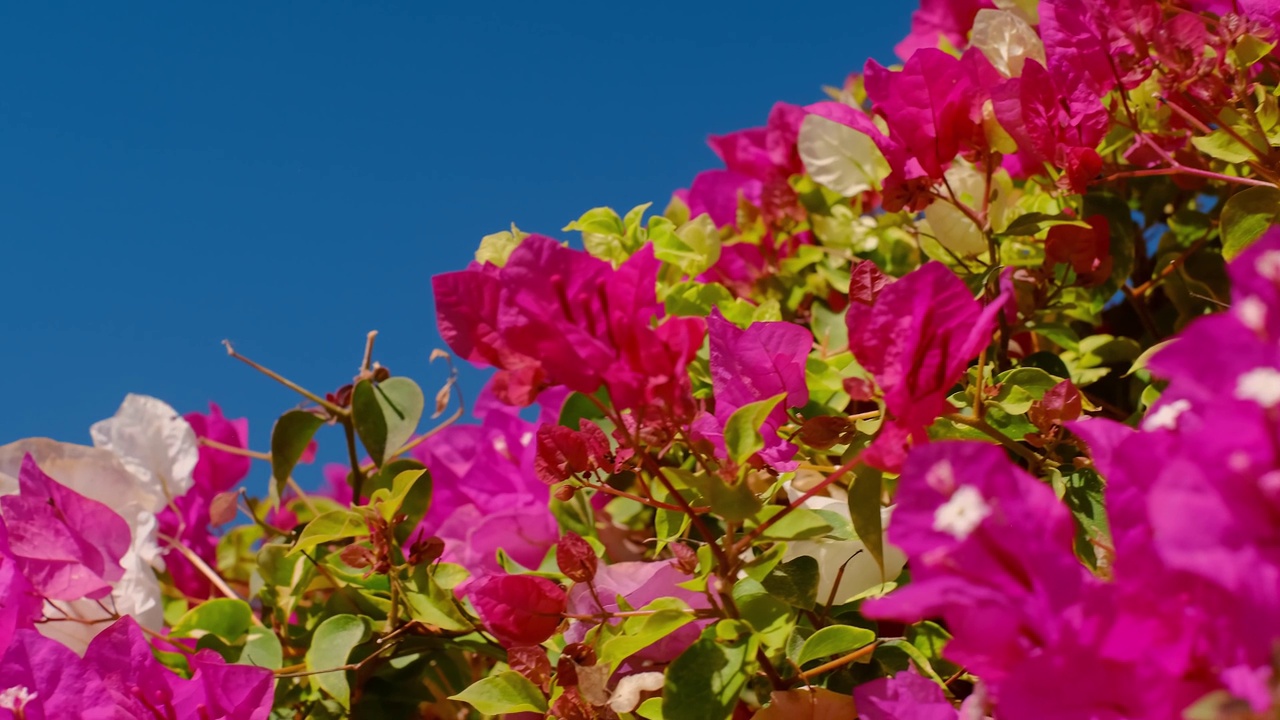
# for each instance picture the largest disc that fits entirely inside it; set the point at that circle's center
(956, 395)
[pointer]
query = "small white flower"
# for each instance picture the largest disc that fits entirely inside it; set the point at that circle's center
(16, 698)
(962, 514)
(1261, 385)
(1252, 313)
(1268, 265)
(626, 696)
(1166, 416)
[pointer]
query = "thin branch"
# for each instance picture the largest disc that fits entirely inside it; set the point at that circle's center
(333, 409)
(840, 661)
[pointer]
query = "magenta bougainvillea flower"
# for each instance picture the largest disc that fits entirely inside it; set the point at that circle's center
(905, 696)
(486, 493)
(518, 609)
(760, 362)
(990, 551)
(68, 546)
(933, 106)
(186, 519)
(586, 323)
(938, 20)
(19, 602)
(42, 679)
(916, 340)
(141, 687)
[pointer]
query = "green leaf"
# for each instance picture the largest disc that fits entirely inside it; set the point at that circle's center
(692, 247)
(331, 647)
(797, 524)
(705, 681)
(415, 501)
(1033, 223)
(650, 709)
(638, 633)
(385, 414)
(734, 503)
(1249, 50)
(227, 618)
(694, 299)
(1223, 145)
(834, 640)
(864, 511)
(388, 500)
(772, 619)
(794, 582)
(262, 648)
(601, 220)
(290, 437)
(742, 436)
(1245, 216)
(427, 602)
(331, 526)
(1083, 494)
(496, 248)
(931, 639)
(506, 692)
(1145, 358)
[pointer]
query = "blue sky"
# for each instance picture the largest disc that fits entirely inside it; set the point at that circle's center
(290, 175)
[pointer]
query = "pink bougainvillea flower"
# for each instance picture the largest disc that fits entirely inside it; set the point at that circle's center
(553, 316)
(938, 20)
(990, 552)
(717, 193)
(916, 340)
(143, 688)
(639, 583)
(486, 490)
(518, 609)
(933, 106)
(68, 546)
(186, 519)
(765, 360)
(46, 680)
(1050, 128)
(217, 470)
(222, 691)
(905, 696)
(19, 603)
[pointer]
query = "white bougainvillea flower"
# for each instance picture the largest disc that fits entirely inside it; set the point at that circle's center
(955, 229)
(155, 443)
(98, 475)
(1007, 41)
(839, 157)
(861, 573)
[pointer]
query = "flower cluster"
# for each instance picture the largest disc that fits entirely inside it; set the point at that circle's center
(954, 395)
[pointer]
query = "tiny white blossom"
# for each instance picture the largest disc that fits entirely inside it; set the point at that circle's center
(1253, 313)
(1261, 385)
(962, 514)
(1166, 416)
(16, 698)
(1268, 265)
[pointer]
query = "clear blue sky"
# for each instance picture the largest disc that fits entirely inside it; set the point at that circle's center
(290, 175)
